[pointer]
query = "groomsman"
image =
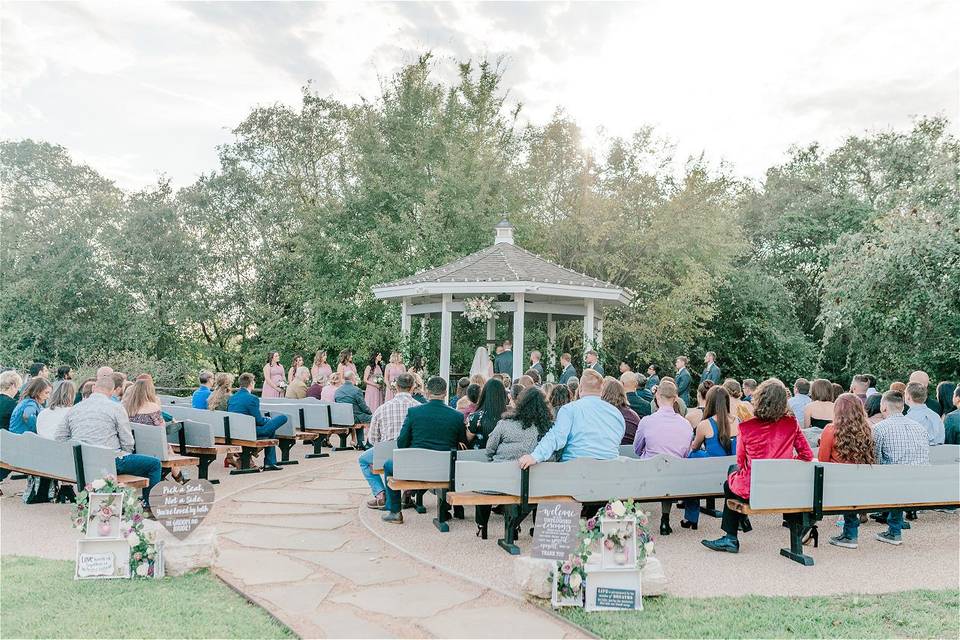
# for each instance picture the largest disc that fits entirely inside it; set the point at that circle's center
(711, 371)
(683, 379)
(653, 377)
(535, 363)
(503, 363)
(566, 361)
(593, 362)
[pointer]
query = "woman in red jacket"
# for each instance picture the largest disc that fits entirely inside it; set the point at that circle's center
(772, 433)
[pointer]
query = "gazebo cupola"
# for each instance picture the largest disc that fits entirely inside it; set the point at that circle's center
(536, 287)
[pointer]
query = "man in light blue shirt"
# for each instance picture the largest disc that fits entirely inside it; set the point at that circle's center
(800, 399)
(202, 395)
(916, 398)
(586, 428)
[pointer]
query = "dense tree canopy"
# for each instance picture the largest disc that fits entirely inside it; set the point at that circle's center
(839, 261)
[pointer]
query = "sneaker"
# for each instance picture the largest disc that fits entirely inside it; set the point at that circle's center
(889, 538)
(393, 518)
(946, 510)
(379, 502)
(730, 545)
(844, 541)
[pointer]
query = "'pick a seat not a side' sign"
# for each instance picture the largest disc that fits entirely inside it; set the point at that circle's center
(180, 508)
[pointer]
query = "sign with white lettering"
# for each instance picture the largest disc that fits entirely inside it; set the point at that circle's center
(180, 508)
(95, 564)
(611, 590)
(555, 535)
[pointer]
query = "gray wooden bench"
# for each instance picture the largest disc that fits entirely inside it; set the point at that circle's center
(230, 429)
(64, 461)
(151, 440)
(804, 492)
(423, 470)
(292, 432)
(584, 480)
(197, 439)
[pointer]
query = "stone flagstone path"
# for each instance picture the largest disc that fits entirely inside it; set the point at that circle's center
(295, 544)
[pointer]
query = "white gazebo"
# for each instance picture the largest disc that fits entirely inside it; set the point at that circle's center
(537, 288)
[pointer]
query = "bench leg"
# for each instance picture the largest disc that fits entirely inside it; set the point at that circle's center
(798, 524)
(285, 446)
(203, 468)
(711, 509)
(510, 522)
(245, 466)
(343, 443)
(317, 449)
(443, 513)
(358, 439)
(418, 506)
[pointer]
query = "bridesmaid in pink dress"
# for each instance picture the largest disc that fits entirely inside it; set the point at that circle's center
(292, 371)
(274, 378)
(346, 362)
(373, 381)
(394, 369)
(320, 368)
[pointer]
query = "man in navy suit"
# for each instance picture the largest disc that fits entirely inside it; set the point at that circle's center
(566, 362)
(593, 361)
(536, 365)
(434, 426)
(711, 371)
(243, 401)
(683, 379)
(503, 363)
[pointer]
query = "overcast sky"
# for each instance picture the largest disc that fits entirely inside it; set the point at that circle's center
(137, 89)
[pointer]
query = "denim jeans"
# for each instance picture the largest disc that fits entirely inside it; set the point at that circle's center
(393, 496)
(136, 464)
(366, 468)
(895, 522)
(267, 430)
(691, 510)
(851, 525)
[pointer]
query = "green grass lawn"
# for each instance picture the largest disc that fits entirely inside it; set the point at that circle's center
(40, 599)
(911, 614)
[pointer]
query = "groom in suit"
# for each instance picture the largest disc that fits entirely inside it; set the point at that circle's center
(503, 363)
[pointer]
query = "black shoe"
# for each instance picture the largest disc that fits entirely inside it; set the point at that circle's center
(911, 515)
(879, 517)
(271, 467)
(688, 525)
(482, 531)
(458, 512)
(745, 525)
(665, 529)
(392, 518)
(730, 545)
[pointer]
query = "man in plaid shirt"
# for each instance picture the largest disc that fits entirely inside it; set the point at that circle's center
(898, 440)
(385, 425)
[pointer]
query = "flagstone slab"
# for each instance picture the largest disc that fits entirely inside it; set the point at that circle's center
(301, 598)
(493, 622)
(330, 484)
(262, 567)
(343, 624)
(415, 600)
(297, 496)
(362, 568)
(259, 537)
(269, 509)
(325, 522)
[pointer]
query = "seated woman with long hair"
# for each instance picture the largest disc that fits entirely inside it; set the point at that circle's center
(847, 440)
(716, 436)
(773, 433)
(490, 408)
(613, 393)
(515, 435)
(143, 407)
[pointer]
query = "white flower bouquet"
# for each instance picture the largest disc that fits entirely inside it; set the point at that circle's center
(480, 309)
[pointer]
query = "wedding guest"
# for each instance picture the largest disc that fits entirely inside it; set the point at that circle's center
(320, 368)
(490, 408)
(742, 410)
(10, 382)
(468, 404)
(749, 387)
(459, 393)
(944, 396)
(801, 398)
(243, 401)
(573, 386)
(316, 389)
(899, 387)
(567, 370)
(201, 396)
(916, 398)
(872, 407)
(119, 385)
(64, 373)
(625, 367)
(653, 376)
(525, 381)
(479, 379)
(818, 413)
(679, 406)
(345, 362)
(349, 393)
(592, 361)
(222, 390)
(297, 387)
(535, 363)
(585, 428)
(99, 421)
(642, 391)
(694, 415)
(296, 364)
(329, 392)
(858, 387)
(631, 386)
(394, 368)
(84, 389)
(773, 433)
(418, 389)
(143, 407)
(847, 440)
(386, 423)
(36, 370)
(871, 384)
(274, 377)
(60, 402)
(711, 371)
(667, 433)
(921, 378)
(683, 379)
(951, 421)
(32, 399)
(373, 381)
(534, 376)
(418, 367)
(559, 396)
(715, 436)
(897, 440)
(837, 391)
(613, 392)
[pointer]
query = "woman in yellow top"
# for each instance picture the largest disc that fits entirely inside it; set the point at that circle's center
(742, 410)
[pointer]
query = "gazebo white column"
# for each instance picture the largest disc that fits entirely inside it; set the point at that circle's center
(551, 341)
(491, 331)
(518, 351)
(588, 331)
(405, 317)
(446, 326)
(599, 331)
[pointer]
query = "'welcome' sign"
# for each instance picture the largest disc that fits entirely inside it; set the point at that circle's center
(555, 535)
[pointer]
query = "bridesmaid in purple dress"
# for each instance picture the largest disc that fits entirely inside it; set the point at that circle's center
(373, 380)
(394, 368)
(274, 378)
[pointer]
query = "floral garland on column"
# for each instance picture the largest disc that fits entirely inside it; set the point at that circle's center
(480, 309)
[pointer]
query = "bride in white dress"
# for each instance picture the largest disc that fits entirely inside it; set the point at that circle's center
(482, 364)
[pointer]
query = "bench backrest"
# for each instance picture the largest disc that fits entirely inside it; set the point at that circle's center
(307, 400)
(428, 465)
(601, 480)
(383, 451)
(242, 427)
(292, 425)
(150, 440)
(788, 484)
(30, 452)
(627, 451)
(945, 454)
(98, 462)
(196, 434)
(308, 413)
(341, 414)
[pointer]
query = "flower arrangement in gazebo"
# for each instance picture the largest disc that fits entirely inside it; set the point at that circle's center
(480, 309)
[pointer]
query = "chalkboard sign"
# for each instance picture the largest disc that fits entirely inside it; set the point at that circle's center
(616, 598)
(555, 535)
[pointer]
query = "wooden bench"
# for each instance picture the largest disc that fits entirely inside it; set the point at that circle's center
(70, 462)
(290, 433)
(230, 429)
(804, 492)
(197, 439)
(584, 480)
(151, 440)
(314, 417)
